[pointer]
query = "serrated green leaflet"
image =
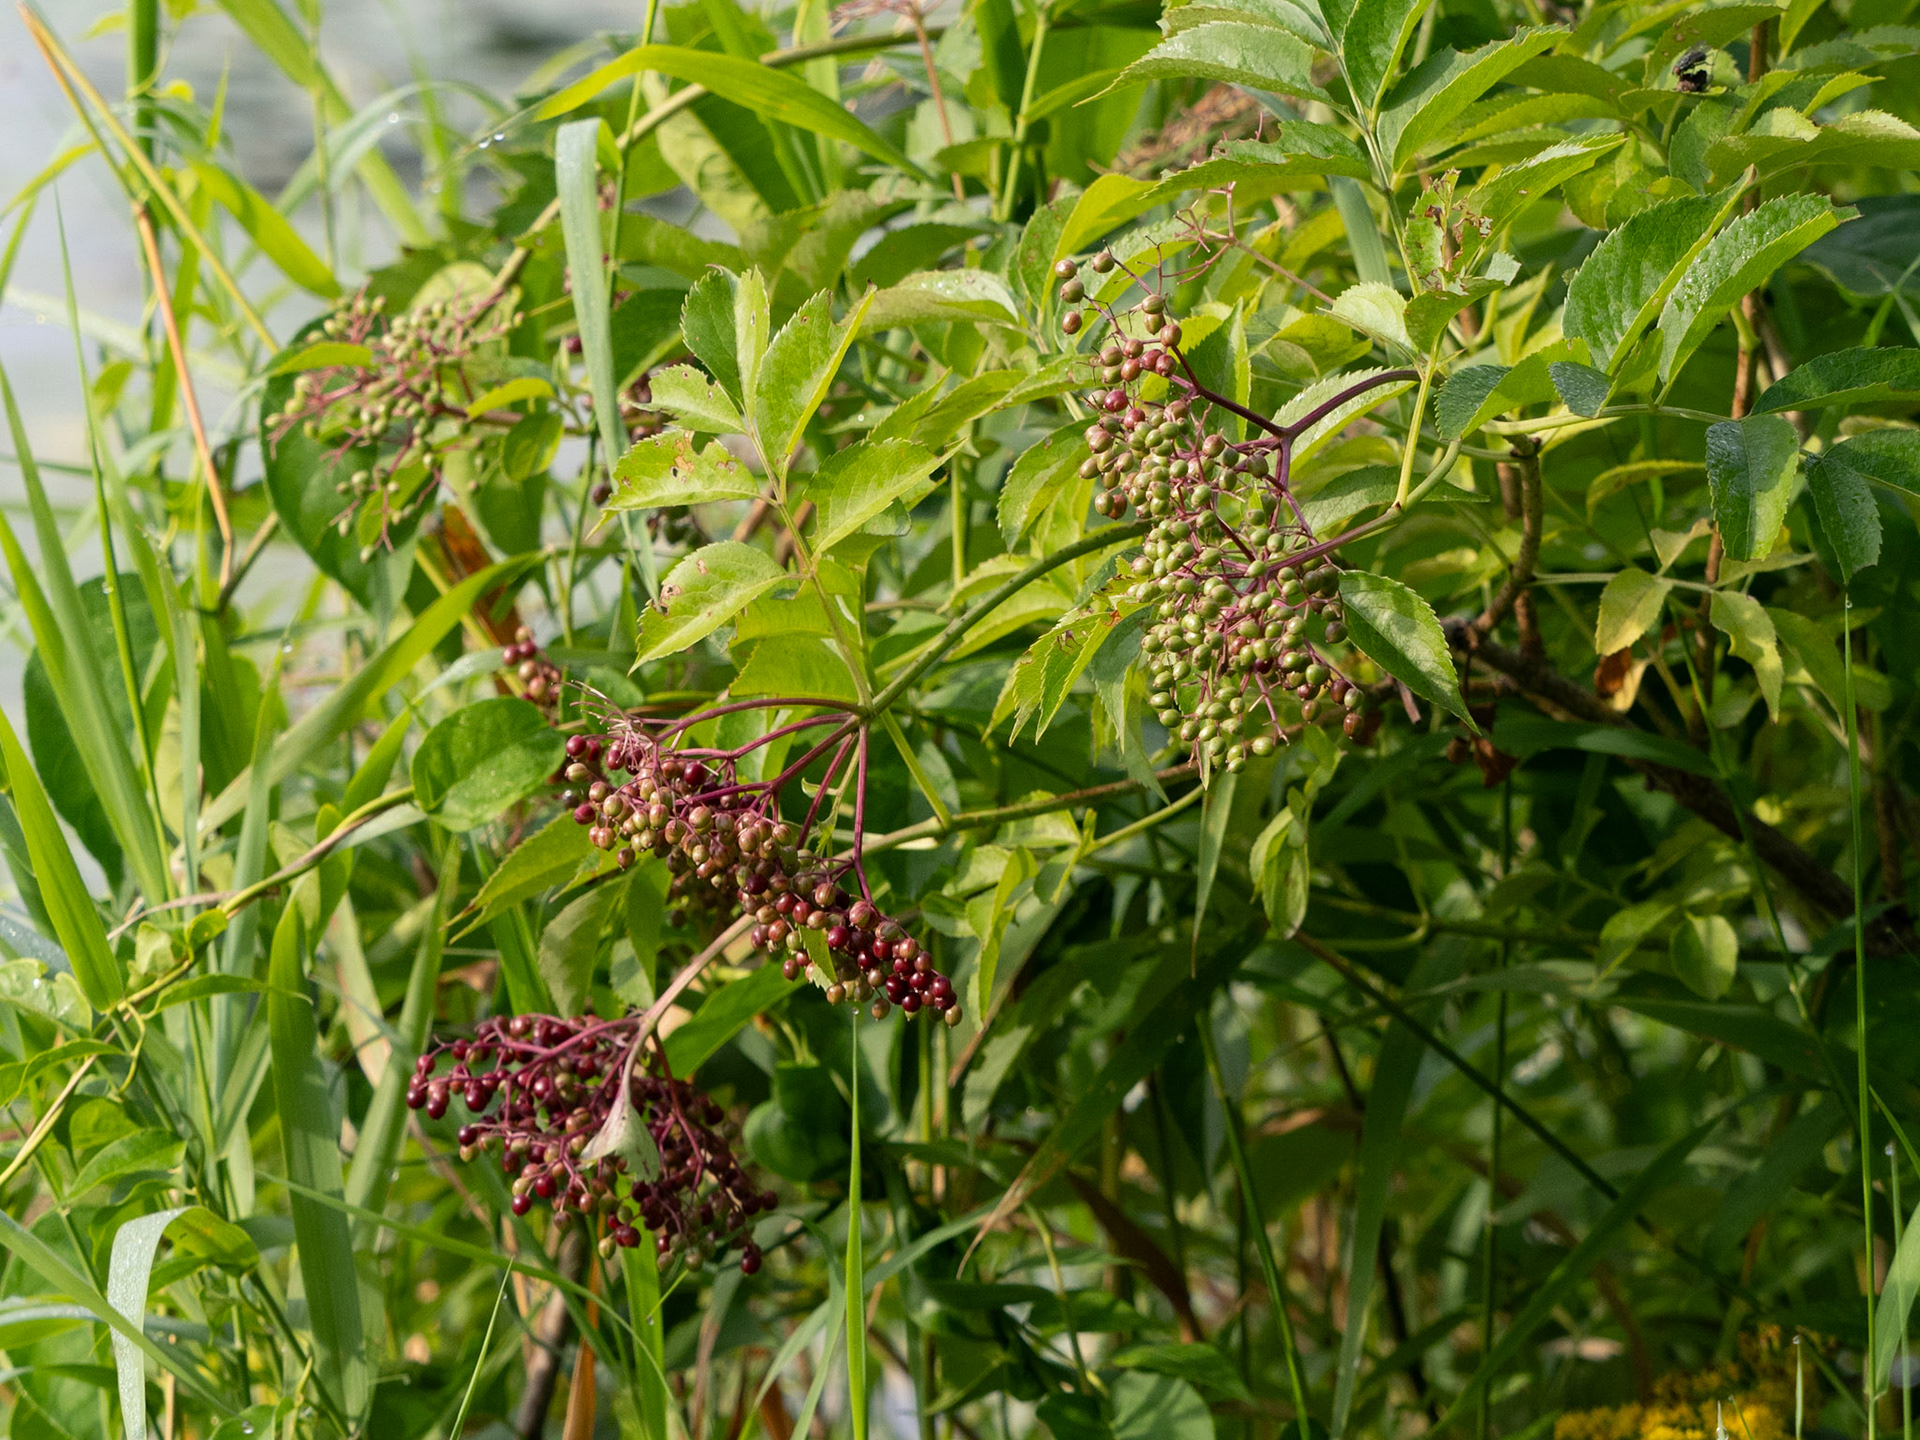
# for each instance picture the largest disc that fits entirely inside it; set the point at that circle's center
(1616, 293)
(667, 469)
(1399, 632)
(1846, 377)
(1751, 467)
(1847, 512)
(1256, 56)
(860, 482)
(1435, 92)
(705, 591)
(1733, 262)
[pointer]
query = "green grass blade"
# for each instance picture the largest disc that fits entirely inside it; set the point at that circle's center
(641, 1267)
(249, 864)
(59, 622)
(1380, 1144)
(1169, 1002)
(1257, 1225)
(459, 1420)
(854, 1271)
(1215, 811)
(47, 1263)
(129, 1272)
(311, 1136)
(577, 178)
(273, 31)
(180, 633)
(1870, 1373)
(1363, 231)
(384, 1127)
(76, 923)
(1574, 1265)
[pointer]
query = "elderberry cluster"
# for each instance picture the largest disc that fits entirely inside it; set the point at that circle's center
(540, 679)
(406, 400)
(730, 854)
(562, 1136)
(1246, 601)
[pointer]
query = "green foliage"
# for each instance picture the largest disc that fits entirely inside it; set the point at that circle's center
(1342, 572)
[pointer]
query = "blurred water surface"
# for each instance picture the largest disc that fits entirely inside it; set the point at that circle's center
(371, 46)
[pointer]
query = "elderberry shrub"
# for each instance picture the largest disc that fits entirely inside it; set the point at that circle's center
(731, 854)
(404, 403)
(1247, 614)
(542, 1091)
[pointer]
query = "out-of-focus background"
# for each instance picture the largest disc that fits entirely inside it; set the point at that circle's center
(372, 47)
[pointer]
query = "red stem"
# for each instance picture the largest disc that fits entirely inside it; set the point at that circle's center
(1320, 412)
(775, 703)
(860, 818)
(826, 783)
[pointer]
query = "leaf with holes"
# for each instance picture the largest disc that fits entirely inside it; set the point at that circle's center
(705, 591)
(695, 401)
(665, 469)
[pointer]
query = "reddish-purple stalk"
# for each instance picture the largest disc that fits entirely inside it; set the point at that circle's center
(860, 818)
(826, 784)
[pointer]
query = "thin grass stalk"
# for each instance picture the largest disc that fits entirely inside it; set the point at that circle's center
(1060, 1288)
(1490, 1295)
(1906, 1359)
(110, 573)
(74, 82)
(1868, 1380)
(1016, 149)
(176, 344)
(143, 61)
(855, 1269)
(1799, 1389)
(1257, 1223)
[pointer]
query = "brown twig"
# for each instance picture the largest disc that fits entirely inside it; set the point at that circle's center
(1526, 465)
(1135, 1244)
(177, 345)
(550, 1335)
(1889, 933)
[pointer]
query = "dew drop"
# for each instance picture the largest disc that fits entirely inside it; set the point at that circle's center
(393, 117)
(500, 137)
